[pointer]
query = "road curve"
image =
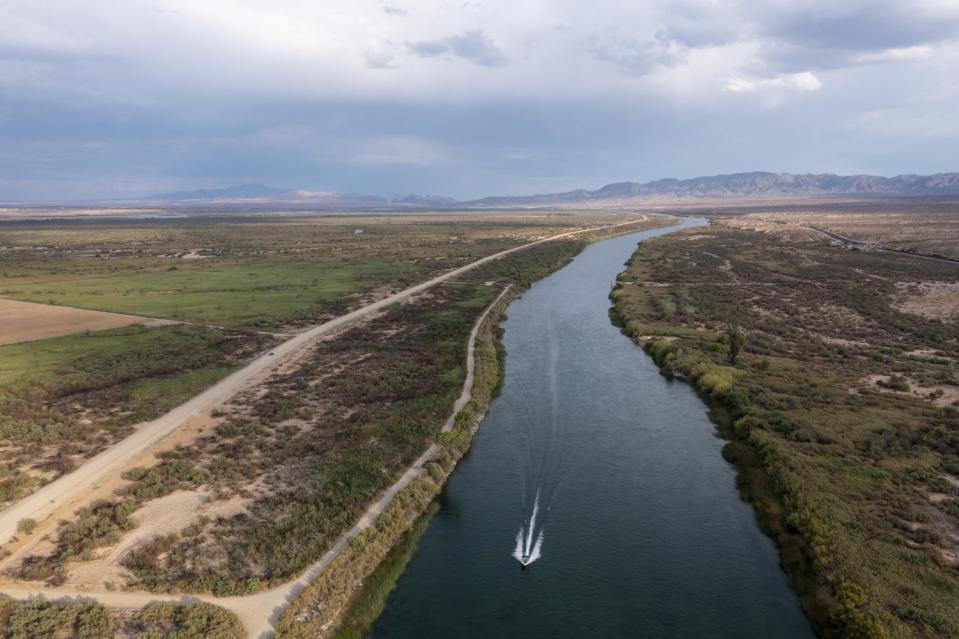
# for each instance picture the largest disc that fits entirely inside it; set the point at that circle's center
(258, 612)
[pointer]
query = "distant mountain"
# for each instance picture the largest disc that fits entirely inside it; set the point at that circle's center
(420, 200)
(230, 192)
(757, 185)
(751, 186)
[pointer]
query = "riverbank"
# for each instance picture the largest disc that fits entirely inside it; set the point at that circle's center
(342, 591)
(854, 480)
(317, 611)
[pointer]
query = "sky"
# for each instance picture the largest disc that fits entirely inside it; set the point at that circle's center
(466, 98)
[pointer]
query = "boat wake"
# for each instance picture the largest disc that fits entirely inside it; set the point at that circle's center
(527, 551)
(547, 450)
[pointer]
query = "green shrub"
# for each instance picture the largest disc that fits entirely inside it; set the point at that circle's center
(26, 526)
(194, 621)
(45, 620)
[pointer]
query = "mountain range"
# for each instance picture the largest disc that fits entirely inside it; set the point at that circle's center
(755, 186)
(259, 196)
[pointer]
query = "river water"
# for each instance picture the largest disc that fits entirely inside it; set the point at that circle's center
(642, 531)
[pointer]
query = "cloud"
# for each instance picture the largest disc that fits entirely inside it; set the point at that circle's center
(640, 58)
(379, 56)
(805, 81)
(896, 55)
(395, 96)
(858, 25)
(474, 46)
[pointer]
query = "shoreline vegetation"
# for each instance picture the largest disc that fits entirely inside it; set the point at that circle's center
(345, 601)
(792, 345)
(342, 591)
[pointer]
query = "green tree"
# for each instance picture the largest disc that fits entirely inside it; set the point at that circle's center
(736, 340)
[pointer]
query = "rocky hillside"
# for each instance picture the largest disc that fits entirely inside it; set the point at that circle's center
(757, 185)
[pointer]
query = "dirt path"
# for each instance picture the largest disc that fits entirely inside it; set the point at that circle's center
(467, 393)
(259, 611)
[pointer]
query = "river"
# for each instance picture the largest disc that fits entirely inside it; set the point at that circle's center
(642, 531)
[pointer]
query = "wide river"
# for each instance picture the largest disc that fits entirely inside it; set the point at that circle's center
(639, 526)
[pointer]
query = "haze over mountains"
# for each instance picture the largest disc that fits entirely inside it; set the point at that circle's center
(256, 195)
(755, 186)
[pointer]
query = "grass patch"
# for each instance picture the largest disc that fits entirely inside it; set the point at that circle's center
(64, 399)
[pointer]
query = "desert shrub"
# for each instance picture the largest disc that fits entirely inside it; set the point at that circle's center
(163, 479)
(45, 620)
(26, 526)
(895, 382)
(193, 621)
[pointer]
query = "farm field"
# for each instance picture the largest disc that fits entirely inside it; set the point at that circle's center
(28, 321)
(842, 409)
(268, 273)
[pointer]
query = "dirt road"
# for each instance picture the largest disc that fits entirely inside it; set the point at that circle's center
(259, 611)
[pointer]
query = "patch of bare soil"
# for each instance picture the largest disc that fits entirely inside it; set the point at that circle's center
(696, 236)
(783, 229)
(166, 515)
(27, 321)
(933, 300)
(940, 395)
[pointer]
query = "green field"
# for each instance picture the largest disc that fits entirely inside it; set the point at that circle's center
(254, 293)
(263, 273)
(65, 399)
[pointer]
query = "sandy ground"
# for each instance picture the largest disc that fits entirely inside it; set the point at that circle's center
(784, 228)
(27, 321)
(949, 394)
(159, 517)
(933, 300)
